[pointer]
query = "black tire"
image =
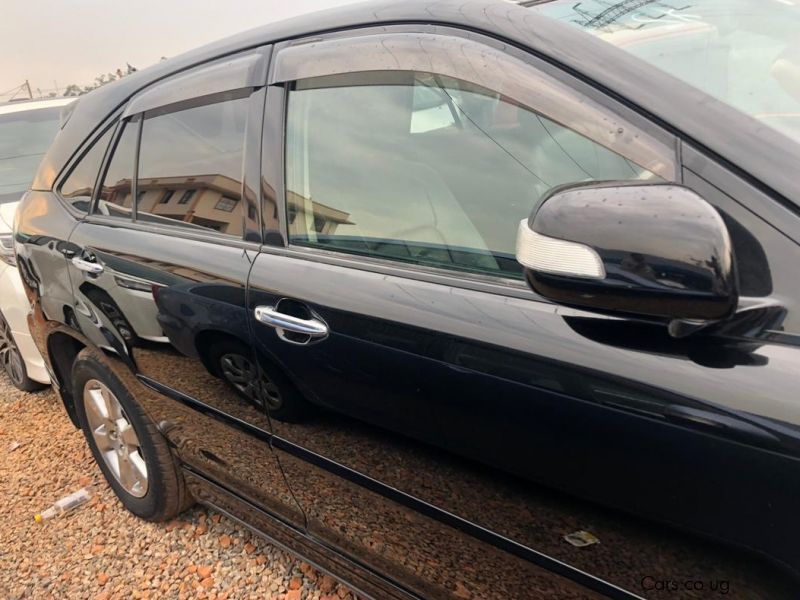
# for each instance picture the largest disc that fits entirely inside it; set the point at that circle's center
(12, 363)
(283, 401)
(166, 493)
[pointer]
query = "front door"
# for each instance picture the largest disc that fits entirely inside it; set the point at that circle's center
(397, 316)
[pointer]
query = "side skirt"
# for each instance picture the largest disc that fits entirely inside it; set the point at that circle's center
(360, 579)
(540, 559)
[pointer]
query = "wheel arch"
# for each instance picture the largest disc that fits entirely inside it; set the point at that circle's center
(62, 348)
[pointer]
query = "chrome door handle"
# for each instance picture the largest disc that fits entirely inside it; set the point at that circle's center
(268, 315)
(85, 265)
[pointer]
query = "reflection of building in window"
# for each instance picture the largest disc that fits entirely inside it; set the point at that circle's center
(84, 192)
(325, 218)
(209, 201)
(118, 193)
(270, 208)
(226, 204)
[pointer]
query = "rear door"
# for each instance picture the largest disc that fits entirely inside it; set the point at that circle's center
(159, 269)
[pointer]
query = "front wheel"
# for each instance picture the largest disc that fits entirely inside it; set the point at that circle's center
(132, 454)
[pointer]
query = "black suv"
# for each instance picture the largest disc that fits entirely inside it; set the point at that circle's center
(360, 278)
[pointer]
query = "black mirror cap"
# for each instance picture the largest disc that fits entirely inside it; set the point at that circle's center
(650, 249)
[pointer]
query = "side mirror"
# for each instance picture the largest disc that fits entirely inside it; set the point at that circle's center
(656, 250)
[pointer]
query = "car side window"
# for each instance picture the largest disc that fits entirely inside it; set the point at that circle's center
(426, 169)
(116, 195)
(78, 187)
(190, 167)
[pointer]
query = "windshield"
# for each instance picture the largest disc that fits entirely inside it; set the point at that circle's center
(24, 138)
(745, 53)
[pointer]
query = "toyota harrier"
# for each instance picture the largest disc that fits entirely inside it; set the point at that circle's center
(365, 279)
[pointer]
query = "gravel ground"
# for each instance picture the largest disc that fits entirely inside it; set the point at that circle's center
(100, 550)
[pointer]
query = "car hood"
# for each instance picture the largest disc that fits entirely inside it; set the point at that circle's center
(7, 211)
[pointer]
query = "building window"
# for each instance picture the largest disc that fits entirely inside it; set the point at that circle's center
(226, 204)
(167, 196)
(186, 196)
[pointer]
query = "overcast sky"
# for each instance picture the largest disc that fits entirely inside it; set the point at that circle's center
(48, 41)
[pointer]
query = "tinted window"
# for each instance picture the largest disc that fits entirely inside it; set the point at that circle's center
(24, 138)
(190, 167)
(426, 169)
(79, 185)
(116, 198)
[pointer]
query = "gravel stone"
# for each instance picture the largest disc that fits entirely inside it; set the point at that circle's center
(102, 552)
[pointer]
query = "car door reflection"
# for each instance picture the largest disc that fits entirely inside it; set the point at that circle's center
(207, 321)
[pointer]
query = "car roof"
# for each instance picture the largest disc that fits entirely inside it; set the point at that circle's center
(763, 156)
(29, 105)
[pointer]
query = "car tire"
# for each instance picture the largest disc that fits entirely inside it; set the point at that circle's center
(233, 362)
(12, 363)
(130, 451)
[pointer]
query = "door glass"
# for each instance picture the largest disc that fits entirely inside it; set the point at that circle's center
(426, 169)
(115, 193)
(78, 187)
(190, 167)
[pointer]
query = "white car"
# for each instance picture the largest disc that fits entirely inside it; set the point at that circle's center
(26, 131)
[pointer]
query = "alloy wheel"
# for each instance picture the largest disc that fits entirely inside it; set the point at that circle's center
(10, 357)
(115, 437)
